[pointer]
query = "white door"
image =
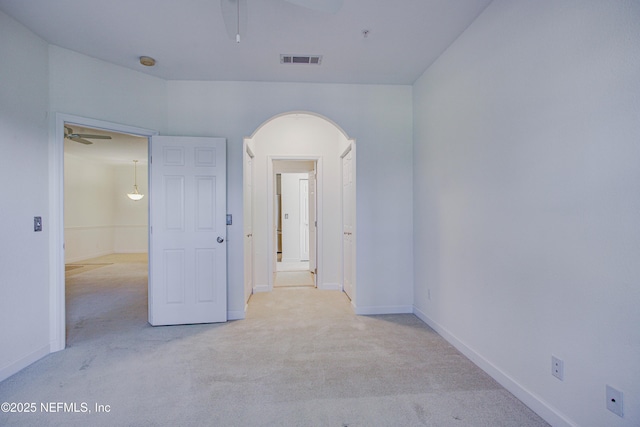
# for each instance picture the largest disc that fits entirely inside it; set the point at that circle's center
(313, 237)
(304, 219)
(248, 229)
(347, 224)
(187, 214)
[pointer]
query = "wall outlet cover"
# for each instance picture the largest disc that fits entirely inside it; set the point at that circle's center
(557, 368)
(614, 400)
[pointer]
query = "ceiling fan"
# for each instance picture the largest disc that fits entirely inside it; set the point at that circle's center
(80, 137)
(234, 12)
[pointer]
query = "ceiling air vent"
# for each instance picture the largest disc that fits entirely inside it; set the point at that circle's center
(301, 59)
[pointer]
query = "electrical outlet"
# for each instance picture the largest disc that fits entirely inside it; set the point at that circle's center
(557, 368)
(614, 400)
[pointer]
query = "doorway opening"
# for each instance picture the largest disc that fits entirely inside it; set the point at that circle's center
(295, 223)
(105, 230)
(88, 231)
(312, 145)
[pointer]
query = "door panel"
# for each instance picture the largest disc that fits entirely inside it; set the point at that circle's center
(304, 220)
(187, 213)
(248, 228)
(347, 225)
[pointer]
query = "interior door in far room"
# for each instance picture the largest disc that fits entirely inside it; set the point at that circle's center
(187, 214)
(304, 219)
(348, 224)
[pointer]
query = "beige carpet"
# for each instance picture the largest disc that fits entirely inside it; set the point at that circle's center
(72, 269)
(292, 266)
(293, 278)
(300, 358)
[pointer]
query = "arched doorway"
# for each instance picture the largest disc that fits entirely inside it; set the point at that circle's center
(290, 139)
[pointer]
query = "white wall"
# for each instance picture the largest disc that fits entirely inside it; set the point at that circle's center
(526, 201)
(24, 259)
(378, 117)
(99, 218)
(91, 88)
(130, 218)
(88, 208)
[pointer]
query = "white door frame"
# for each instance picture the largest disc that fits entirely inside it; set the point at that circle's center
(247, 188)
(350, 149)
(57, 316)
(271, 242)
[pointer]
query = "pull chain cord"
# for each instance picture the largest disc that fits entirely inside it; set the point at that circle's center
(238, 23)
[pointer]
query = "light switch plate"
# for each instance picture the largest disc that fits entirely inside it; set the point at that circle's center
(37, 223)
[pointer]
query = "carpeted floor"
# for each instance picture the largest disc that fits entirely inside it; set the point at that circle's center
(300, 358)
(293, 278)
(292, 266)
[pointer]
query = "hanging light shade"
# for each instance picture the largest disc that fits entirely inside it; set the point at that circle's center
(135, 195)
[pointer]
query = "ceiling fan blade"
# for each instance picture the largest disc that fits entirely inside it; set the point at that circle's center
(328, 6)
(81, 140)
(86, 135)
(233, 25)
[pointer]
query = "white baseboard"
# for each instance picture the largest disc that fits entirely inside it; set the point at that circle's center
(533, 401)
(23, 362)
(260, 288)
(330, 287)
(235, 315)
(390, 309)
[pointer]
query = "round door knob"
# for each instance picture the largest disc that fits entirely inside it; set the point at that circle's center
(220, 240)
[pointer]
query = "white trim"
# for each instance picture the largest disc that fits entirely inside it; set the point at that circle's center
(235, 315)
(91, 227)
(330, 287)
(57, 318)
(389, 309)
(248, 256)
(533, 401)
(261, 288)
(351, 148)
(87, 227)
(23, 362)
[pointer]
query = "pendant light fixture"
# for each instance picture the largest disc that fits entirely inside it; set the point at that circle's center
(135, 195)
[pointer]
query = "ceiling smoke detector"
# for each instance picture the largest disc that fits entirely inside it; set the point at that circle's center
(147, 61)
(301, 59)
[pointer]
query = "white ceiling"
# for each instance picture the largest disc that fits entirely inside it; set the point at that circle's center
(189, 40)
